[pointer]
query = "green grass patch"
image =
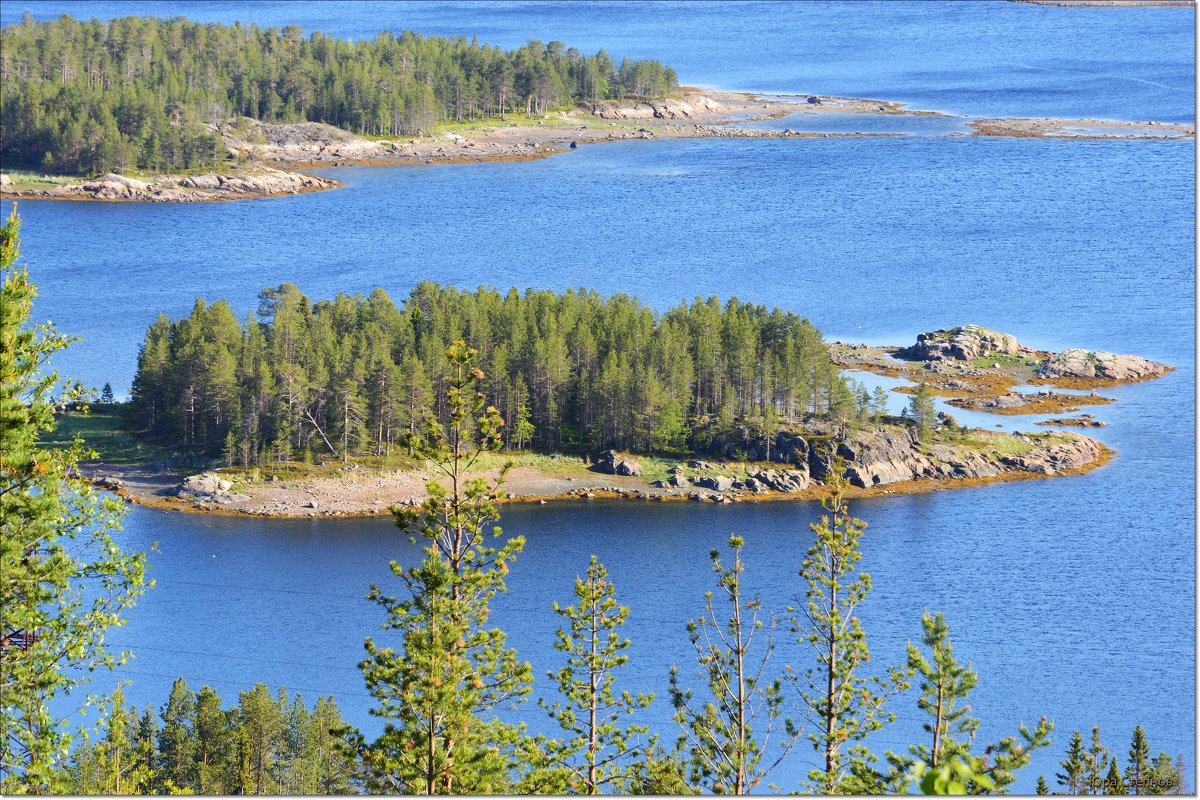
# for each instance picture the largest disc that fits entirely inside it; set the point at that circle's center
(34, 180)
(1004, 360)
(105, 430)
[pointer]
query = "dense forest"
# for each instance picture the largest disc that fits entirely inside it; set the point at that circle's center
(574, 371)
(266, 744)
(89, 97)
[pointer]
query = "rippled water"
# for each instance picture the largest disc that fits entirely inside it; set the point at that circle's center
(1073, 597)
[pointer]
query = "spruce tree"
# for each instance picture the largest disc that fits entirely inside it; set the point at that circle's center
(1113, 784)
(599, 751)
(177, 740)
(439, 689)
(741, 720)
(1042, 788)
(1072, 778)
(57, 540)
(1097, 760)
(1139, 758)
(845, 706)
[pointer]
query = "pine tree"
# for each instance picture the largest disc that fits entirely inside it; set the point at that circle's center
(599, 751)
(946, 686)
(57, 538)
(438, 693)
(1072, 778)
(845, 706)
(921, 411)
(1042, 788)
(725, 753)
(106, 394)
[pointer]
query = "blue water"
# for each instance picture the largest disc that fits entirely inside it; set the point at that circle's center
(1073, 597)
(981, 58)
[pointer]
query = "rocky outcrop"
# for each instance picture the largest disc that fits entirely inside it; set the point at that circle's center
(613, 463)
(304, 141)
(208, 488)
(1079, 363)
(670, 108)
(261, 182)
(892, 455)
(964, 343)
(777, 480)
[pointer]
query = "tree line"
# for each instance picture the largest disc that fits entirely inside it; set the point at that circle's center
(574, 370)
(266, 744)
(1093, 769)
(84, 97)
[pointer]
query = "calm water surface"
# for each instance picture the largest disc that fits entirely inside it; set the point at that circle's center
(1073, 597)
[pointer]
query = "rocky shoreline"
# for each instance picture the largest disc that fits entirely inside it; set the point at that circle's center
(879, 462)
(274, 151)
(258, 182)
(975, 367)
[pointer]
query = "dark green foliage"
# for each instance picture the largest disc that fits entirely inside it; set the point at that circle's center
(921, 412)
(1042, 787)
(89, 97)
(64, 582)
(575, 370)
(265, 745)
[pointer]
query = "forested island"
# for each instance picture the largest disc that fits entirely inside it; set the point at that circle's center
(317, 407)
(88, 97)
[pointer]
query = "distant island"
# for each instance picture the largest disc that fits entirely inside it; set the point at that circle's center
(311, 406)
(168, 110)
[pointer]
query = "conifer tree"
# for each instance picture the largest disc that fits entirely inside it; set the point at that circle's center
(177, 740)
(440, 690)
(1097, 760)
(1138, 764)
(214, 751)
(56, 538)
(946, 686)
(1042, 788)
(1113, 784)
(741, 721)
(113, 765)
(845, 706)
(1072, 778)
(599, 751)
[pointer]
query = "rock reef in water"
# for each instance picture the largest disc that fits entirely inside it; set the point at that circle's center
(261, 182)
(972, 343)
(964, 343)
(1078, 363)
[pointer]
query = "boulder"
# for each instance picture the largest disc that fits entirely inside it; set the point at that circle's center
(613, 463)
(964, 343)
(718, 483)
(697, 464)
(785, 480)
(1079, 363)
